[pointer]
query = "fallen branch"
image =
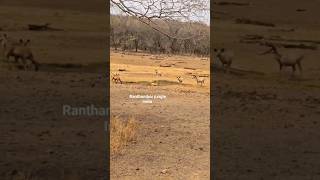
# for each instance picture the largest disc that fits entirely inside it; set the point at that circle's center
(190, 68)
(45, 27)
(277, 40)
(165, 65)
(299, 46)
(301, 10)
(282, 30)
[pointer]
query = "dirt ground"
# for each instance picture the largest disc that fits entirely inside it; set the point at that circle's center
(173, 133)
(37, 141)
(266, 123)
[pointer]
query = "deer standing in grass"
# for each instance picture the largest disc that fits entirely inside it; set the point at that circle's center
(180, 80)
(289, 59)
(199, 80)
(116, 78)
(157, 72)
(23, 52)
(225, 57)
(18, 50)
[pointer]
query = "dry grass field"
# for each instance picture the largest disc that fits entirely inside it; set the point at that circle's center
(36, 139)
(266, 122)
(121, 133)
(172, 135)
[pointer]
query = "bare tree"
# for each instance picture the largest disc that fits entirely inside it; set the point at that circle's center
(117, 31)
(155, 12)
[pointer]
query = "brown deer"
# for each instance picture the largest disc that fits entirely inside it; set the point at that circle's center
(225, 57)
(199, 80)
(23, 52)
(289, 59)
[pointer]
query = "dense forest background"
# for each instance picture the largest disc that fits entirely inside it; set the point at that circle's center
(175, 37)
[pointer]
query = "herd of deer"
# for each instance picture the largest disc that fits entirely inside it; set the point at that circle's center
(284, 60)
(226, 58)
(180, 79)
(115, 77)
(19, 50)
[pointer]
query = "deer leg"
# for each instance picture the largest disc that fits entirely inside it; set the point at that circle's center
(16, 59)
(36, 65)
(293, 68)
(8, 54)
(224, 67)
(299, 66)
(280, 66)
(24, 63)
(4, 52)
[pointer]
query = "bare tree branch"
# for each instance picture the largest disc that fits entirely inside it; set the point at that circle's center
(154, 12)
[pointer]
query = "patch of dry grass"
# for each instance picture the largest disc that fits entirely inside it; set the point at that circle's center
(122, 132)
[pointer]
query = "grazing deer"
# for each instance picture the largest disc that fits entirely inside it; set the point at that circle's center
(290, 60)
(225, 57)
(179, 79)
(23, 52)
(157, 73)
(116, 78)
(199, 80)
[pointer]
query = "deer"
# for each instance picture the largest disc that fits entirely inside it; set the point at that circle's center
(23, 52)
(289, 59)
(157, 72)
(225, 57)
(199, 80)
(116, 78)
(180, 80)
